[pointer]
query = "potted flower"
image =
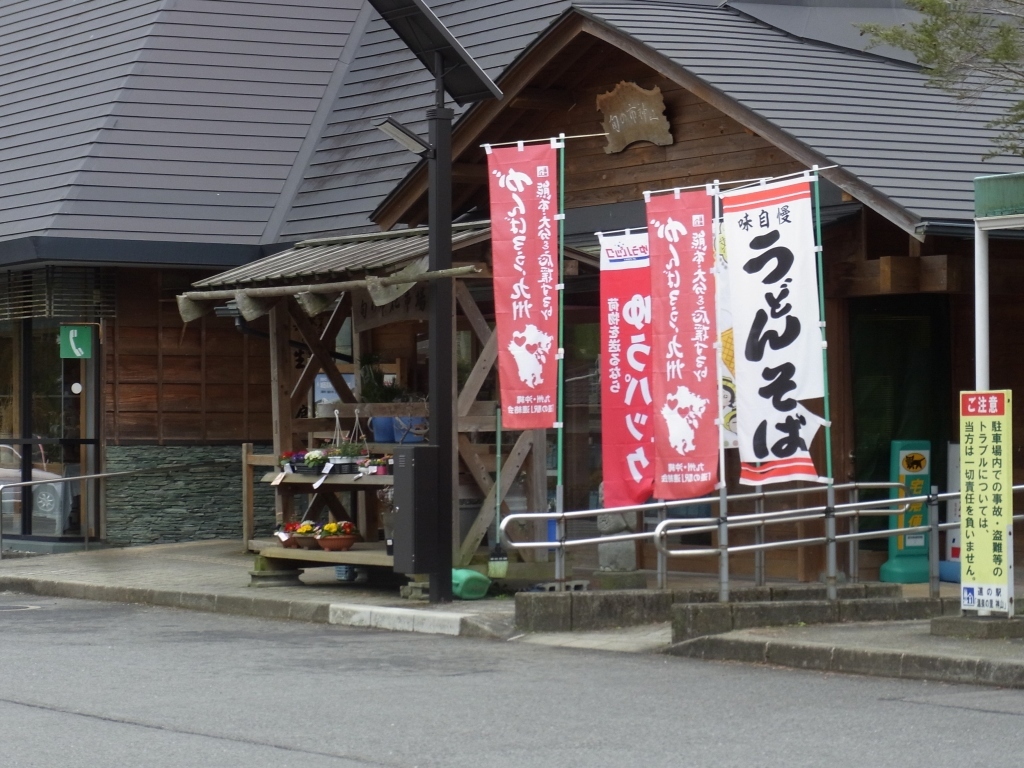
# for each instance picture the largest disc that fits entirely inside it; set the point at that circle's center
(375, 466)
(292, 459)
(312, 462)
(336, 537)
(305, 535)
(345, 455)
(287, 535)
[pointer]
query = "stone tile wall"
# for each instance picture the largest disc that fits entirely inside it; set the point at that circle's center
(201, 502)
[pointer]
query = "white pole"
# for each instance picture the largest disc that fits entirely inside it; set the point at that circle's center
(981, 359)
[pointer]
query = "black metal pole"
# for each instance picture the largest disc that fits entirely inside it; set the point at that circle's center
(442, 364)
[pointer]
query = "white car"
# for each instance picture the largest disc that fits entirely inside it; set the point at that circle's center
(51, 502)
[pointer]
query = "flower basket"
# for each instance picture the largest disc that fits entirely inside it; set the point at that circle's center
(337, 543)
(306, 542)
(288, 541)
(306, 469)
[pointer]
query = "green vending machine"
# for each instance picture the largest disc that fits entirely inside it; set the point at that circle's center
(909, 465)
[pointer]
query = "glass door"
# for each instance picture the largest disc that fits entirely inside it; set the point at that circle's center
(53, 432)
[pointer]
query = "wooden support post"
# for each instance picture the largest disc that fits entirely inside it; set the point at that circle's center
(537, 485)
(280, 396)
(248, 510)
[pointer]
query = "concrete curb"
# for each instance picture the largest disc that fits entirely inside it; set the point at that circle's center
(396, 619)
(595, 610)
(822, 657)
(693, 620)
(260, 606)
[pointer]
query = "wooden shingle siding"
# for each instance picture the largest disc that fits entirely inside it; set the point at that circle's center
(165, 383)
(175, 121)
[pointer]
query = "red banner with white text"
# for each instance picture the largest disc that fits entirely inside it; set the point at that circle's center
(524, 239)
(685, 371)
(627, 423)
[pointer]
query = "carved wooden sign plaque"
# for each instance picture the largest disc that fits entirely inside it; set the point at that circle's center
(631, 114)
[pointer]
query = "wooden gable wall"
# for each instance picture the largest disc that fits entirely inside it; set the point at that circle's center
(562, 98)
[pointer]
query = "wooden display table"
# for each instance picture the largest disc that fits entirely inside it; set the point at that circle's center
(335, 481)
(281, 566)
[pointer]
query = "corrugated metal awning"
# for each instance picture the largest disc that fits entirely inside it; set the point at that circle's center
(334, 258)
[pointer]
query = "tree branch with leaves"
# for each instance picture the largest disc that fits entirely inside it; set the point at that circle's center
(969, 48)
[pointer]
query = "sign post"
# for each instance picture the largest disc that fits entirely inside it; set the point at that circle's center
(910, 465)
(986, 510)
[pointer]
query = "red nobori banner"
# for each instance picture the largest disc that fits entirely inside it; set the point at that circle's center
(524, 241)
(627, 423)
(685, 370)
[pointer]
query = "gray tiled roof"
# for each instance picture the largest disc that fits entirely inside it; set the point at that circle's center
(157, 119)
(874, 116)
(355, 166)
(326, 259)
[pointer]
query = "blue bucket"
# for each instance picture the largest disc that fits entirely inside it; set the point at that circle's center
(383, 428)
(410, 429)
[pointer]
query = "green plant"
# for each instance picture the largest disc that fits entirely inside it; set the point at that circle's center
(373, 385)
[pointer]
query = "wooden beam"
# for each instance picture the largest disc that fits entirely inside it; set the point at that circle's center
(482, 368)
(280, 398)
(472, 311)
(899, 274)
(479, 471)
(322, 354)
(312, 367)
(509, 471)
(543, 99)
(480, 418)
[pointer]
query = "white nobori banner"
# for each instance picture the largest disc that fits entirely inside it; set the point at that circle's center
(773, 283)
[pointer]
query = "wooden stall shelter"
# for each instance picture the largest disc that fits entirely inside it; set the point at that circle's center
(314, 291)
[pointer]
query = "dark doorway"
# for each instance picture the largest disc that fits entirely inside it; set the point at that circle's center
(900, 355)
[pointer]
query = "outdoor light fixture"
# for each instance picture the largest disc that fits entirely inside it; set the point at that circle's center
(404, 136)
(456, 73)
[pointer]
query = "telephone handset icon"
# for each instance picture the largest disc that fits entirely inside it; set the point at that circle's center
(72, 335)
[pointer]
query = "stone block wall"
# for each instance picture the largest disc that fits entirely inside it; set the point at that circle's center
(201, 502)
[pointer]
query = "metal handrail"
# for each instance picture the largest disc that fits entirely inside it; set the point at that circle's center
(98, 476)
(737, 521)
(689, 526)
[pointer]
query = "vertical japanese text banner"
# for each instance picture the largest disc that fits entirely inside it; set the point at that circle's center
(627, 426)
(986, 501)
(524, 239)
(684, 363)
(776, 325)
